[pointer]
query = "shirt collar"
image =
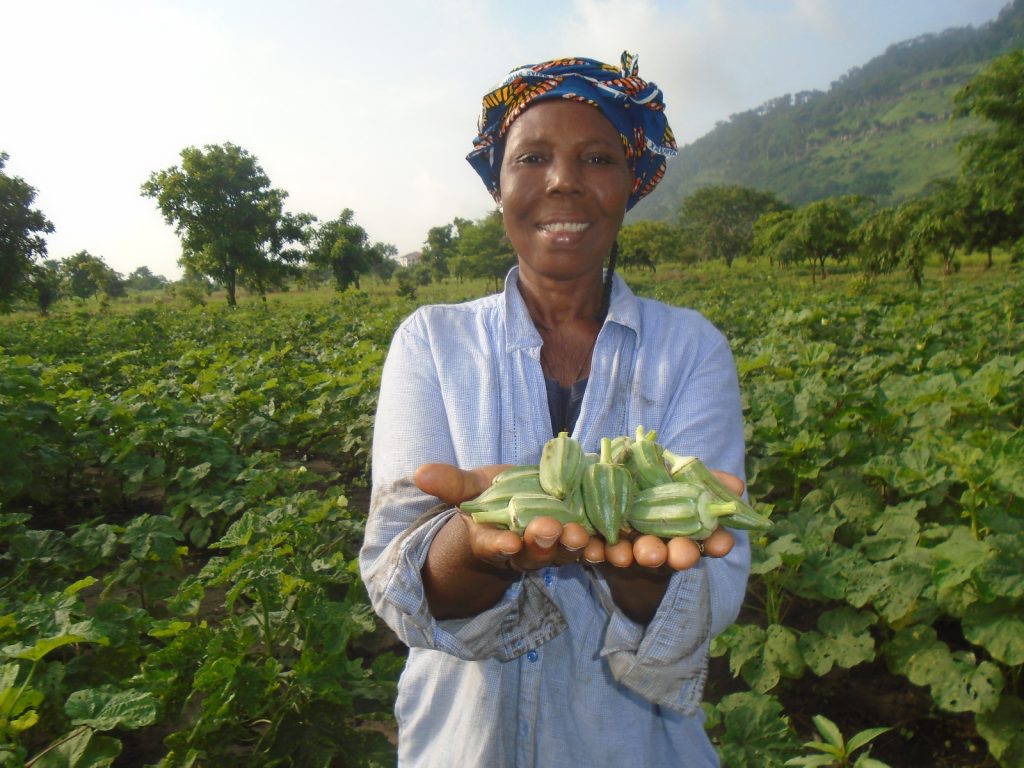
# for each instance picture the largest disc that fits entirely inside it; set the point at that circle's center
(522, 334)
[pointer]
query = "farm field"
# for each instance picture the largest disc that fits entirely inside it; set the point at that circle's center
(183, 489)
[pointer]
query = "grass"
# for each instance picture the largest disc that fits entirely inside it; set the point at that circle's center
(746, 277)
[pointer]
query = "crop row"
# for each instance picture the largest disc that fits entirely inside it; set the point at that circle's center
(182, 495)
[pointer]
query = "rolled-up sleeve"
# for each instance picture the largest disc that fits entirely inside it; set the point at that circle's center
(522, 620)
(413, 427)
(666, 660)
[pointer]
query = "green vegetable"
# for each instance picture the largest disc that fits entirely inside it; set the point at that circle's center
(607, 493)
(523, 508)
(691, 470)
(634, 484)
(504, 488)
(646, 462)
(578, 509)
(561, 465)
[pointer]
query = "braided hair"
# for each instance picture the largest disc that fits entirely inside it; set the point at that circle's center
(606, 296)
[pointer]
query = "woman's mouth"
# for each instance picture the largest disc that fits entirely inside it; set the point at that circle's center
(564, 227)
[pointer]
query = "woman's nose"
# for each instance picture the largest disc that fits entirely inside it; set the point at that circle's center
(564, 175)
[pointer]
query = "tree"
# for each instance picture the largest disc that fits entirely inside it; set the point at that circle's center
(720, 219)
(770, 237)
(142, 279)
(984, 229)
(892, 237)
(84, 275)
(46, 284)
(231, 222)
(343, 246)
(440, 246)
(880, 241)
(818, 232)
(647, 243)
(484, 250)
(942, 226)
(993, 157)
(384, 264)
(21, 235)
(907, 225)
(823, 231)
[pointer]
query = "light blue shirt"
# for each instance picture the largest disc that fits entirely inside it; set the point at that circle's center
(554, 674)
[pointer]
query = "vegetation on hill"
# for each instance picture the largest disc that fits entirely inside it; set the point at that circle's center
(882, 130)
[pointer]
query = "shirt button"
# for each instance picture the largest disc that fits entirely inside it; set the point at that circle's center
(532, 656)
(548, 578)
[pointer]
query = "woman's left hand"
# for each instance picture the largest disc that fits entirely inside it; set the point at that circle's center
(677, 554)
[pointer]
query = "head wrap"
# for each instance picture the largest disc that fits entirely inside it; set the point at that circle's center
(631, 104)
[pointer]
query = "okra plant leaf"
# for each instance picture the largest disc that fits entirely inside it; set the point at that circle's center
(1001, 729)
(153, 536)
(861, 738)
(958, 683)
(895, 587)
(813, 761)
(830, 732)
(844, 639)
(954, 563)
(1000, 575)
(82, 748)
(998, 627)
(895, 533)
(106, 708)
(15, 698)
(867, 761)
(780, 657)
(751, 730)
(46, 645)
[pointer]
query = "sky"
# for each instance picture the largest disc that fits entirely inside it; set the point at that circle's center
(369, 105)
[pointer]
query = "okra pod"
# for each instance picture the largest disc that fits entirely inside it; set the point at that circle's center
(607, 494)
(502, 490)
(523, 508)
(691, 469)
(646, 462)
(561, 465)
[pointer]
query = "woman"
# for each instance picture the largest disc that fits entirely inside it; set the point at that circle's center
(522, 653)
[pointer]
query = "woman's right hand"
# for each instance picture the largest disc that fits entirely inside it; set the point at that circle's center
(544, 542)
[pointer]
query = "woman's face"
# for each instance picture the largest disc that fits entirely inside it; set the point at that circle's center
(565, 183)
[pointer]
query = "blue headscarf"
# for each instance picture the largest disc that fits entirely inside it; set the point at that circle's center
(631, 104)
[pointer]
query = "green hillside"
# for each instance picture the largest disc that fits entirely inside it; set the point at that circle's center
(883, 130)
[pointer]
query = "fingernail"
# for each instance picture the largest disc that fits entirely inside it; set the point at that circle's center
(546, 541)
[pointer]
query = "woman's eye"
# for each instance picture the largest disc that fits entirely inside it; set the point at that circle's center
(599, 160)
(529, 159)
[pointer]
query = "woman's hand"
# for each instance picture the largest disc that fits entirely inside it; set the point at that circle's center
(677, 554)
(544, 542)
(470, 565)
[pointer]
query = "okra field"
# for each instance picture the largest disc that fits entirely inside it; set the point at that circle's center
(183, 492)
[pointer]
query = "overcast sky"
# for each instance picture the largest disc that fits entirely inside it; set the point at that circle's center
(369, 105)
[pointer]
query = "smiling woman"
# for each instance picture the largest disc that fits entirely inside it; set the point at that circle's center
(551, 648)
(564, 186)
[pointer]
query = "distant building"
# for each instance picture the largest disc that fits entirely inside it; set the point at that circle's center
(410, 259)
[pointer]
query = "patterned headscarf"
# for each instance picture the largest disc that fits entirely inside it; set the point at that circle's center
(631, 104)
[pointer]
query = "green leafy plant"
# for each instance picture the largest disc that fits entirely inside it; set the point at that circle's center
(835, 750)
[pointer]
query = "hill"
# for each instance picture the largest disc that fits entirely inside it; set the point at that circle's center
(882, 130)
